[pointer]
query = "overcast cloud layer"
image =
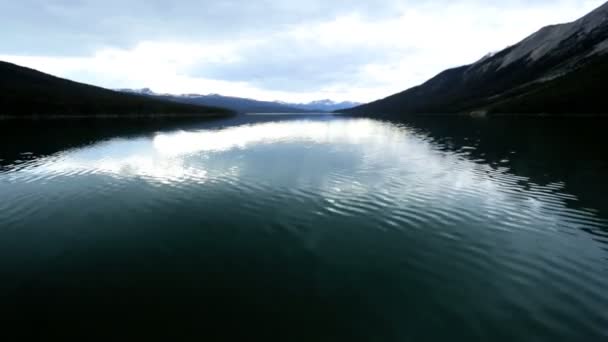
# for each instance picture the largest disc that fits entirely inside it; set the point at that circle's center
(268, 49)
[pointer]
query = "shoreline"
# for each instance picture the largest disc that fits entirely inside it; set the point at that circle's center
(38, 117)
(486, 116)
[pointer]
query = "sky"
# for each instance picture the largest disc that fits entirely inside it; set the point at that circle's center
(288, 50)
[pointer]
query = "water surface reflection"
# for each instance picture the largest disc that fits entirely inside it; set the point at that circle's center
(364, 229)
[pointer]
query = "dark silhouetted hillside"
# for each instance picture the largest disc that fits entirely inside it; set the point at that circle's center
(560, 69)
(26, 92)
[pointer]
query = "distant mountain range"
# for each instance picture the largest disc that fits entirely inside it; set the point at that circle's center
(245, 105)
(26, 92)
(561, 69)
(324, 105)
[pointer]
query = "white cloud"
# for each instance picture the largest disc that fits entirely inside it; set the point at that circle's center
(339, 51)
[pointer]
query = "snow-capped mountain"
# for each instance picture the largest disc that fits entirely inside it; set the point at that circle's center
(324, 105)
(242, 105)
(142, 91)
(245, 105)
(558, 70)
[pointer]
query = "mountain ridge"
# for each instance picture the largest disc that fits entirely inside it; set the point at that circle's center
(241, 104)
(519, 79)
(25, 92)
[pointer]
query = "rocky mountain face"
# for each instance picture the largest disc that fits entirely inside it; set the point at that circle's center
(558, 70)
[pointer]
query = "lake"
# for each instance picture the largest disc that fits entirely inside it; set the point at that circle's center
(305, 228)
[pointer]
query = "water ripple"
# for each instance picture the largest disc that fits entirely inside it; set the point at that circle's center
(478, 243)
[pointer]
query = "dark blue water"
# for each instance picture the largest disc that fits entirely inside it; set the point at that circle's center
(305, 228)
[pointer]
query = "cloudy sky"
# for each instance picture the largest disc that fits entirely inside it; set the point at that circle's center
(287, 50)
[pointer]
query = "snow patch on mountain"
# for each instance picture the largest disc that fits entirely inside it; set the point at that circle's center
(142, 91)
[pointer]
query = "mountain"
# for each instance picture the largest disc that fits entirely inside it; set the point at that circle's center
(324, 105)
(245, 105)
(558, 70)
(26, 92)
(237, 104)
(143, 91)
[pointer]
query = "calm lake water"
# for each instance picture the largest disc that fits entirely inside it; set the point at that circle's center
(306, 228)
